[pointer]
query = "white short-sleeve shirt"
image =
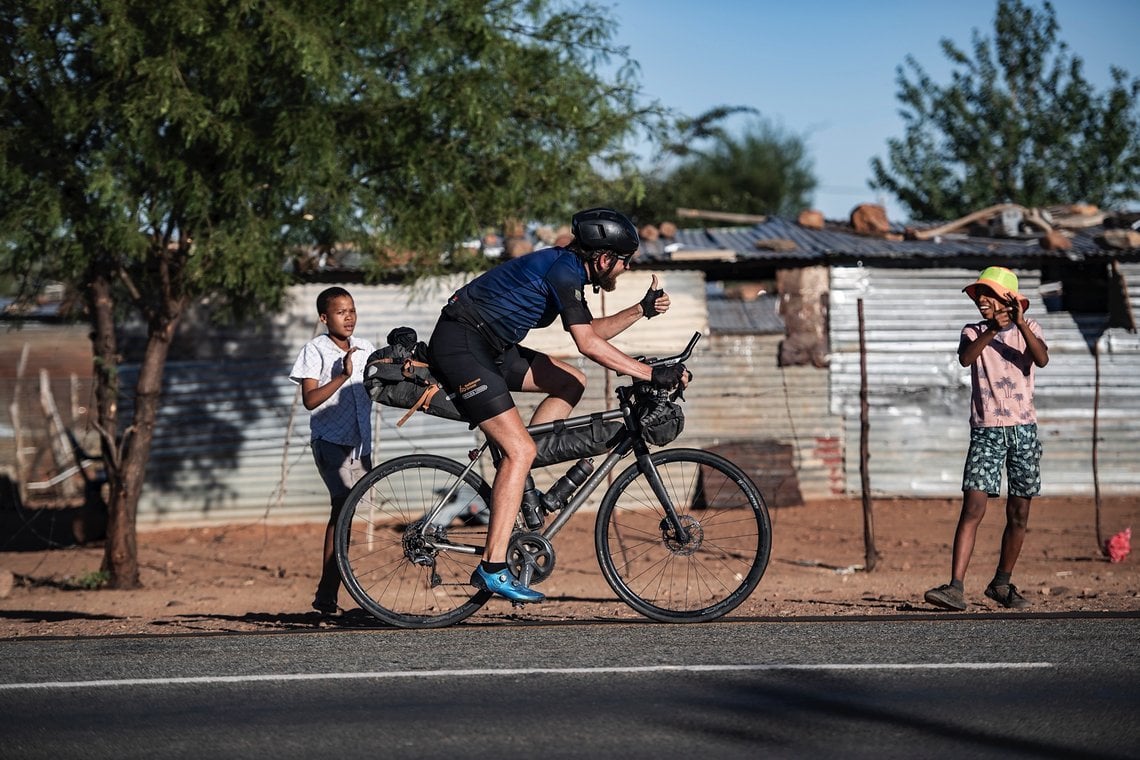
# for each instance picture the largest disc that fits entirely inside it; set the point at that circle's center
(345, 417)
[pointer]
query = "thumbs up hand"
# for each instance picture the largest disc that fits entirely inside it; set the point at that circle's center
(656, 300)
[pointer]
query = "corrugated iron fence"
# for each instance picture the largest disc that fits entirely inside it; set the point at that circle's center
(232, 438)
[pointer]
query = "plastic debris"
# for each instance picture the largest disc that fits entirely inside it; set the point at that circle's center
(1119, 546)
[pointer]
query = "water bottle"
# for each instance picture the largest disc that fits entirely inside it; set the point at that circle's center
(556, 497)
(532, 505)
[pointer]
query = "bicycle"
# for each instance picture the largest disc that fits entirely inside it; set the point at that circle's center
(681, 535)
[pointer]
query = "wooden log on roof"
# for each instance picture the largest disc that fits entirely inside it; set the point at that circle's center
(703, 254)
(1076, 216)
(775, 244)
(721, 216)
(1122, 239)
(1029, 215)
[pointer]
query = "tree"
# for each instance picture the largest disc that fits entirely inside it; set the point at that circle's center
(156, 154)
(1018, 123)
(765, 171)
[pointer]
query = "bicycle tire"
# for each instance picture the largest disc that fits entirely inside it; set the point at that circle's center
(376, 560)
(699, 581)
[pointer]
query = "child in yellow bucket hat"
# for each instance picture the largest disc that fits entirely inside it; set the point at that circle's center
(1002, 351)
(1000, 280)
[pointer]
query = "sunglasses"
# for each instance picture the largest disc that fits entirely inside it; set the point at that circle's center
(625, 258)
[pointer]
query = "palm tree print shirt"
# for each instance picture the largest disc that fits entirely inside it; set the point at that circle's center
(1001, 379)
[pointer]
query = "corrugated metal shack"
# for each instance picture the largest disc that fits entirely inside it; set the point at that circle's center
(913, 312)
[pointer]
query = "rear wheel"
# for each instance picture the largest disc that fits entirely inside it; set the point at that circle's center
(698, 578)
(399, 569)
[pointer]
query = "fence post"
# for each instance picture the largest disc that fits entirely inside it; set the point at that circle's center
(870, 553)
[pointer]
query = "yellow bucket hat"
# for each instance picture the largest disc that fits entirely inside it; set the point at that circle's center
(1001, 281)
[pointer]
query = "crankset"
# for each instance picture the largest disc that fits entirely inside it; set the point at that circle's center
(530, 557)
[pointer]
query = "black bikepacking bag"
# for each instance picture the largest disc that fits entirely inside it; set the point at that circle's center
(398, 375)
(562, 445)
(661, 420)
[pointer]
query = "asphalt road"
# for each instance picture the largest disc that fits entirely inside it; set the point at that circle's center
(1005, 687)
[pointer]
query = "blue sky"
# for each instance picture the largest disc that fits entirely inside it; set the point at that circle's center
(825, 70)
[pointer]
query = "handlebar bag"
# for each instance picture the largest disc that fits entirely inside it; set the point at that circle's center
(661, 420)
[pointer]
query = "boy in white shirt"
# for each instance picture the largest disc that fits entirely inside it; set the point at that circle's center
(330, 371)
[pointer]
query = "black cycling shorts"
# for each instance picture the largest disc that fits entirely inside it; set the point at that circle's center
(480, 377)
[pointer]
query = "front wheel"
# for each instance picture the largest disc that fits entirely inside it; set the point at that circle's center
(397, 565)
(692, 578)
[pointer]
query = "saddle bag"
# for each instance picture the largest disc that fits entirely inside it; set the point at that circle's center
(398, 375)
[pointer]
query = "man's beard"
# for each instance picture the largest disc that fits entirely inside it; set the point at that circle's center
(607, 281)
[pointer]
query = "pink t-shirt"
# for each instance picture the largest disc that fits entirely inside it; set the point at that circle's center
(1002, 377)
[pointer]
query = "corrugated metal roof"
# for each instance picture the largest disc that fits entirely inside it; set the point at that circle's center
(832, 244)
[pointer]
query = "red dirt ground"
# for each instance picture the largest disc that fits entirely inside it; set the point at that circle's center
(261, 576)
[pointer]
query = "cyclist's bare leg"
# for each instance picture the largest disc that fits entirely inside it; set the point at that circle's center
(563, 383)
(508, 433)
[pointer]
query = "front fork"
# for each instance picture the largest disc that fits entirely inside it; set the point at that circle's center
(645, 464)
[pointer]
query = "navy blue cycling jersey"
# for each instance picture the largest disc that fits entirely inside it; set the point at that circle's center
(530, 291)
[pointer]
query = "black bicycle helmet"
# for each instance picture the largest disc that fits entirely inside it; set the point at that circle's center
(603, 229)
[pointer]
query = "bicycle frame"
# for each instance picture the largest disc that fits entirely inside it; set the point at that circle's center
(630, 440)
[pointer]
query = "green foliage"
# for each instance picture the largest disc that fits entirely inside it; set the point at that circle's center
(1018, 122)
(185, 146)
(765, 171)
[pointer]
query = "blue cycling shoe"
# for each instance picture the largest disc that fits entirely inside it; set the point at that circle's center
(505, 585)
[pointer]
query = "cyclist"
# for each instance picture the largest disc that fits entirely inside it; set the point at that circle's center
(475, 353)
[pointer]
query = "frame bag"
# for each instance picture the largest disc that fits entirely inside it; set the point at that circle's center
(562, 445)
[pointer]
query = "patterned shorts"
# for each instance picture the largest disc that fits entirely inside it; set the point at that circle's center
(1016, 447)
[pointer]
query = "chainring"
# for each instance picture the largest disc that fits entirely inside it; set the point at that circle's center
(530, 557)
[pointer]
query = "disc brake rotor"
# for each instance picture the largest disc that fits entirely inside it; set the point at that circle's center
(696, 536)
